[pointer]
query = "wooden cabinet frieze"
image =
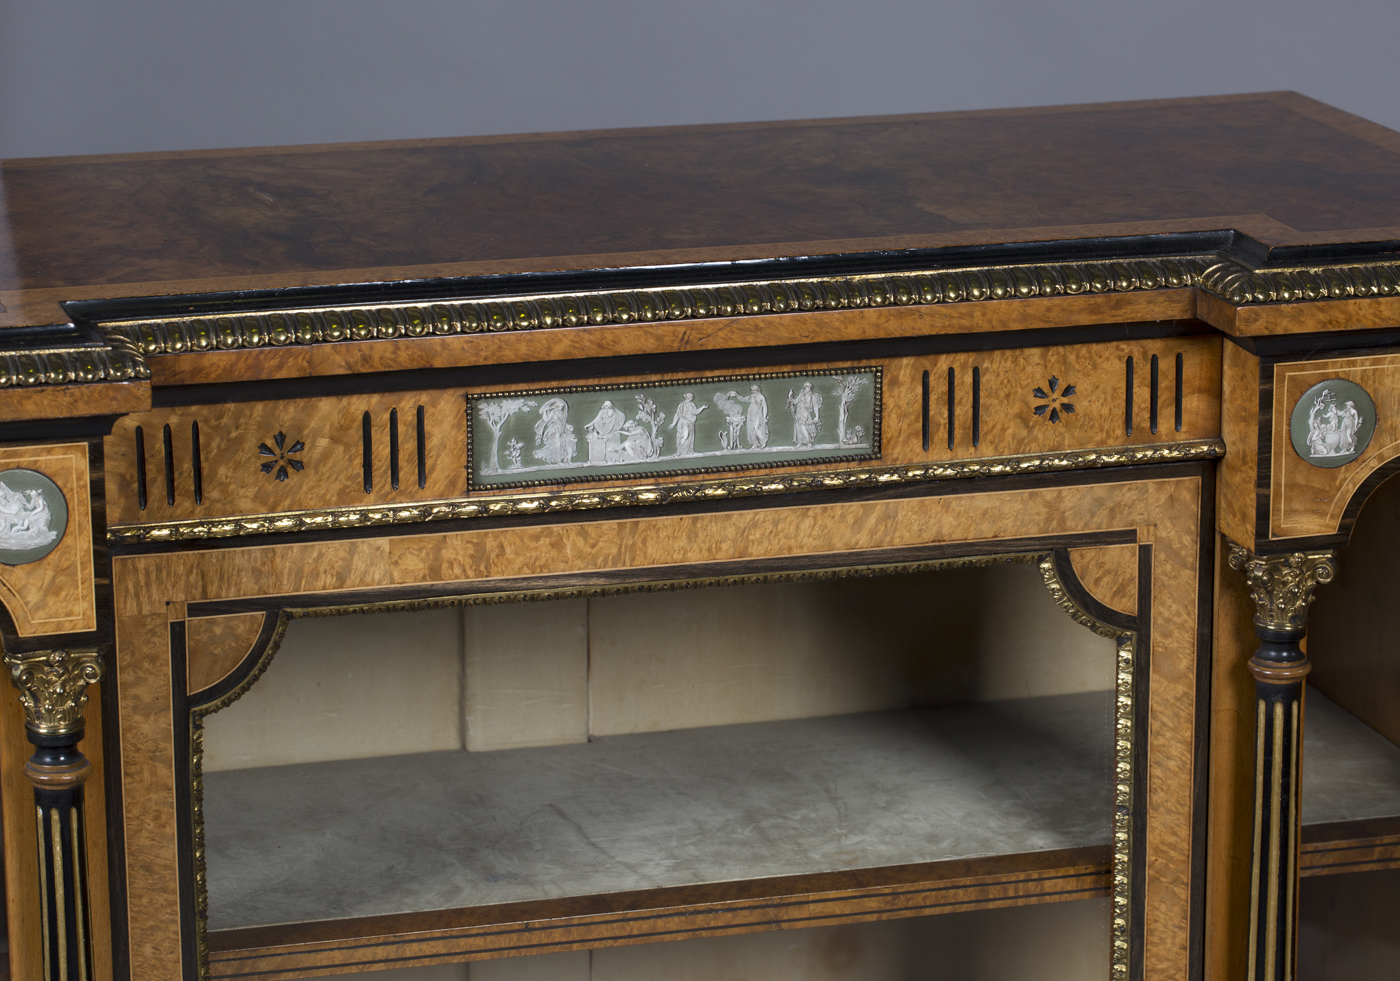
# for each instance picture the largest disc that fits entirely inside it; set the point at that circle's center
(289, 465)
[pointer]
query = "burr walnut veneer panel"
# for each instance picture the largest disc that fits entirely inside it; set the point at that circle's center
(216, 645)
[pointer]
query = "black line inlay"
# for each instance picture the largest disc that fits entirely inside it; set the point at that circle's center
(1128, 399)
(196, 464)
(169, 467)
(423, 451)
(1178, 392)
(367, 440)
(952, 403)
(141, 467)
(1156, 391)
(394, 448)
(925, 403)
(976, 406)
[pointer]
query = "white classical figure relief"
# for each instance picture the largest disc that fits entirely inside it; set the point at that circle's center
(555, 442)
(604, 434)
(806, 408)
(686, 415)
(734, 412)
(1332, 431)
(24, 519)
(664, 427)
(756, 418)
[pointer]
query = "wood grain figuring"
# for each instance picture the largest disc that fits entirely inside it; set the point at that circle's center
(1309, 500)
(786, 902)
(1370, 313)
(332, 428)
(352, 357)
(1231, 822)
(1236, 491)
(95, 826)
(23, 911)
(1164, 511)
(376, 212)
(331, 432)
(216, 645)
(1110, 574)
(1171, 776)
(69, 401)
(142, 666)
(55, 594)
(622, 542)
(1357, 854)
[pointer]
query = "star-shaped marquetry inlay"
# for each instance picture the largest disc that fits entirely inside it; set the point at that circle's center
(1053, 402)
(282, 456)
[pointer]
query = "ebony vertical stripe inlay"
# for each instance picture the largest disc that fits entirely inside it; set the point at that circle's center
(367, 438)
(169, 467)
(976, 406)
(1156, 391)
(423, 451)
(141, 467)
(1179, 360)
(196, 464)
(1128, 398)
(394, 448)
(925, 411)
(952, 403)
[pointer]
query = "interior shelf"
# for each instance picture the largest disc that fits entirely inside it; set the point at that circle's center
(1351, 792)
(702, 830)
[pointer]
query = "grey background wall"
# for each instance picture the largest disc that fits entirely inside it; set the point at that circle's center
(94, 76)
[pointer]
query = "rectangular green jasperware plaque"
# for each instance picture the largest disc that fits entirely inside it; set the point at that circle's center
(671, 428)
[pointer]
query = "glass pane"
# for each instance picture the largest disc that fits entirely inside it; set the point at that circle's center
(536, 750)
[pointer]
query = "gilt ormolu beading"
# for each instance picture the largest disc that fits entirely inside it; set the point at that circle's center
(1282, 588)
(53, 690)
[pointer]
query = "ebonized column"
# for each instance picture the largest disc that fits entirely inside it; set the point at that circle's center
(1282, 587)
(53, 689)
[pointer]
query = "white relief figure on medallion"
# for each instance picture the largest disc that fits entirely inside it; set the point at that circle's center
(847, 388)
(728, 403)
(756, 418)
(555, 442)
(496, 413)
(604, 435)
(684, 424)
(24, 519)
(1332, 431)
(806, 407)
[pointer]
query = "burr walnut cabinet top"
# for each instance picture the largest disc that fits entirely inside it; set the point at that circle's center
(1287, 171)
(1264, 214)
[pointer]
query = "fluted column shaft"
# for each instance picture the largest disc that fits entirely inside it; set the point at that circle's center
(53, 689)
(1282, 588)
